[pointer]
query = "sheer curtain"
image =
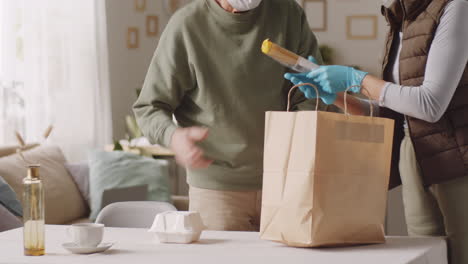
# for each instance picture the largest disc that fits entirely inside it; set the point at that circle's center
(12, 108)
(65, 73)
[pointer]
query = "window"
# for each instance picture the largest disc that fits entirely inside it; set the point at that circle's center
(12, 104)
(52, 73)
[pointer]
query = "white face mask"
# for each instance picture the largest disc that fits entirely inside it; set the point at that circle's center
(244, 5)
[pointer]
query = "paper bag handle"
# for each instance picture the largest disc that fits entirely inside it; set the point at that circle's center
(368, 96)
(299, 85)
(345, 97)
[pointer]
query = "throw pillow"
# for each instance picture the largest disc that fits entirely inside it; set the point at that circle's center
(63, 201)
(118, 169)
(8, 199)
(80, 174)
(8, 220)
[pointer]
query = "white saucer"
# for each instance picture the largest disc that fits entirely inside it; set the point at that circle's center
(75, 249)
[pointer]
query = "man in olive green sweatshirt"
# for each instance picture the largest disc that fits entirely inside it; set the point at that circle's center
(208, 71)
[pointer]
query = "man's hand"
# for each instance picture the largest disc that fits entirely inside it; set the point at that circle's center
(187, 153)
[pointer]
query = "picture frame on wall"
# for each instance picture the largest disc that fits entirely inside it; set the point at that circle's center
(152, 26)
(362, 27)
(140, 5)
(317, 14)
(133, 38)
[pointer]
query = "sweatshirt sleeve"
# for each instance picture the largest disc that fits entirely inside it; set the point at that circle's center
(307, 47)
(168, 79)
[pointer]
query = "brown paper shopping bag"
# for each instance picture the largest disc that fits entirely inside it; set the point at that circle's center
(325, 178)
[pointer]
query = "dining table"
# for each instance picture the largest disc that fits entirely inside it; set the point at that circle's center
(136, 245)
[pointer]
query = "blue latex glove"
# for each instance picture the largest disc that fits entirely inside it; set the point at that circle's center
(309, 92)
(336, 79)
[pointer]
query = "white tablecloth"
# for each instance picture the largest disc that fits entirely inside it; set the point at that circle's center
(135, 246)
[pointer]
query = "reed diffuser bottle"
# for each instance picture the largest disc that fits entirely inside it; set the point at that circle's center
(33, 213)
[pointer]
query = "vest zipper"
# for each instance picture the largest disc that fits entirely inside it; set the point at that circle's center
(403, 22)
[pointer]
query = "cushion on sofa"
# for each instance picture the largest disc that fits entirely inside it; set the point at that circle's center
(117, 169)
(63, 201)
(8, 199)
(80, 174)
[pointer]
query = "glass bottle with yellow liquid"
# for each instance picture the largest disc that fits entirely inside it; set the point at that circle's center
(33, 213)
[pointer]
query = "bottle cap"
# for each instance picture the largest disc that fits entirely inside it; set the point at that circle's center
(33, 171)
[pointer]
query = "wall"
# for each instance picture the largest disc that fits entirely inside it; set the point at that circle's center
(364, 53)
(127, 68)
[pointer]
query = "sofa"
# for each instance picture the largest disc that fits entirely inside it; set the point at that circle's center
(66, 204)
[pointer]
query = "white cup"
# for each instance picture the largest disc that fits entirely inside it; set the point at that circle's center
(86, 235)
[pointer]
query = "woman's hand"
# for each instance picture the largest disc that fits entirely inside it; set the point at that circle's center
(330, 80)
(309, 92)
(335, 79)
